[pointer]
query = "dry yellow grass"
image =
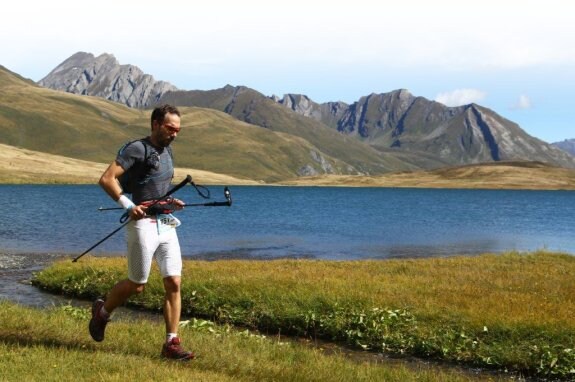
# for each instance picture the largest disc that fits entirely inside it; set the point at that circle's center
(501, 175)
(27, 166)
(21, 166)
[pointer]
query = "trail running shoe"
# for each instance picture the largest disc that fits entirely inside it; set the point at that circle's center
(98, 323)
(173, 350)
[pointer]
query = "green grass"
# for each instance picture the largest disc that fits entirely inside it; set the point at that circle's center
(506, 312)
(53, 345)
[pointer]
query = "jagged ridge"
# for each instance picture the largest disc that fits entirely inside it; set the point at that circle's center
(454, 135)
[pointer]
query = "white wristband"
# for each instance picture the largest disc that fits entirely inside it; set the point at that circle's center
(125, 202)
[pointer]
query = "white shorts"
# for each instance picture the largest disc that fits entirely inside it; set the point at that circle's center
(145, 243)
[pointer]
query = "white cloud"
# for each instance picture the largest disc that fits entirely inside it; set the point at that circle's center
(523, 103)
(439, 34)
(460, 97)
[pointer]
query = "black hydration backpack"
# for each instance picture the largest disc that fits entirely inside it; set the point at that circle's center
(140, 172)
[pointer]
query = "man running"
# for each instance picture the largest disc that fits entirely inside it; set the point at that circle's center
(146, 167)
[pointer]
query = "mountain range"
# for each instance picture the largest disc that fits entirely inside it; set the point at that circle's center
(240, 132)
(567, 145)
(395, 131)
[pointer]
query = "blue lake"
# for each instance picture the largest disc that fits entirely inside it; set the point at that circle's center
(317, 222)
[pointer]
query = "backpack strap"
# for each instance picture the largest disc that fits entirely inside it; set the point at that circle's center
(146, 142)
(170, 152)
(128, 179)
(125, 145)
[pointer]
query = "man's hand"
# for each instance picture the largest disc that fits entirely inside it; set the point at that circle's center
(165, 207)
(178, 204)
(138, 212)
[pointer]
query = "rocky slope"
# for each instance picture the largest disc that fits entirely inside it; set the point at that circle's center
(454, 135)
(103, 76)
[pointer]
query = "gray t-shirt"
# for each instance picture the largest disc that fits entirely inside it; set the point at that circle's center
(151, 168)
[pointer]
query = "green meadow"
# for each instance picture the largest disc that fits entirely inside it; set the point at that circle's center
(53, 345)
(510, 313)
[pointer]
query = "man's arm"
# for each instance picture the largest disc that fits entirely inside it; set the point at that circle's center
(109, 182)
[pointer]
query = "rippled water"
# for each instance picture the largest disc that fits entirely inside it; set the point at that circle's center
(16, 271)
(328, 223)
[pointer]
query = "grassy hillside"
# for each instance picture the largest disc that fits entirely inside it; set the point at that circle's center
(251, 106)
(21, 166)
(212, 140)
(93, 129)
(58, 123)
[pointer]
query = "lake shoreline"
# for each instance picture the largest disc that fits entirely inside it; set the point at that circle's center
(21, 166)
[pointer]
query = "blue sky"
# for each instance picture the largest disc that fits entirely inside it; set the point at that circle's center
(515, 57)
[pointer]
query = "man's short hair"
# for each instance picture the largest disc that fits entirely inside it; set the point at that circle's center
(160, 112)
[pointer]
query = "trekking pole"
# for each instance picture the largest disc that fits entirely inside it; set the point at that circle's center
(176, 188)
(227, 203)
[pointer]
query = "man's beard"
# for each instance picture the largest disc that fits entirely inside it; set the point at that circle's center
(166, 142)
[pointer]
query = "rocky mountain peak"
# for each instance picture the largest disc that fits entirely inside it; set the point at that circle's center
(327, 113)
(103, 76)
(299, 103)
(401, 94)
